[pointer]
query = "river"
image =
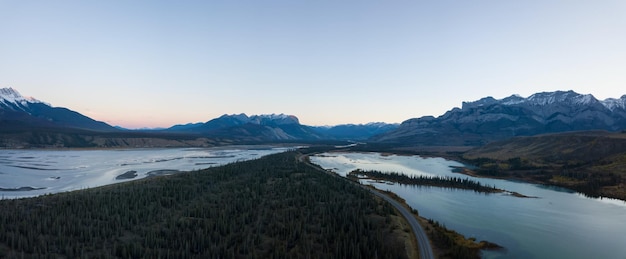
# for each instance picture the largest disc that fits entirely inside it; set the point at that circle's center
(558, 224)
(28, 173)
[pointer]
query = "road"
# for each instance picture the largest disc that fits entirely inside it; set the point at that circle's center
(425, 250)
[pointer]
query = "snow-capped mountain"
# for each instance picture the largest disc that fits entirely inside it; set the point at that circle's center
(615, 104)
(487, 119)
(274, 119)
(13, 100)
(19, 112)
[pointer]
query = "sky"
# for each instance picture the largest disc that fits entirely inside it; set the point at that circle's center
(159, 63)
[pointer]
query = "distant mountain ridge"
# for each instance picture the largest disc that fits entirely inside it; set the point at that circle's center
(356, 131)
(269, 127)
(18, 112)
(28, 122)
(280, 127)
(488, 119)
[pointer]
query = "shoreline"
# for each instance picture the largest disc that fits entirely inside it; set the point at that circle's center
(217, 147)
(433, 228)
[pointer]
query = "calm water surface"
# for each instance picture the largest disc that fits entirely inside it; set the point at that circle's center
(558, 224)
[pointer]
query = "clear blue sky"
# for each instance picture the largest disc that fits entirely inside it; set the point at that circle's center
(160, 63)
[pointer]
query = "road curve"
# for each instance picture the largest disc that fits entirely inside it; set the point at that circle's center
(425, 250)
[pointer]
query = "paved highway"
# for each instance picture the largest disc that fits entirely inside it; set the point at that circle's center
(425, 250)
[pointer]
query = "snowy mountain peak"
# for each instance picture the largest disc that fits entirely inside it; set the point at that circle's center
(12, 96)
(540, 99)
(513, 99)
(548, 98)
(274, 118)
(263, 119)
(614, 104)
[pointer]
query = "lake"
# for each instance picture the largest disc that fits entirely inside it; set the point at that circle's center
(27, 173)
(558, 224)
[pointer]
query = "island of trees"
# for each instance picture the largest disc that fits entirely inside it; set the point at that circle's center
(437, 181)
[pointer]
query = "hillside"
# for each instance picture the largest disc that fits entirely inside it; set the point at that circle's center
(592, 162)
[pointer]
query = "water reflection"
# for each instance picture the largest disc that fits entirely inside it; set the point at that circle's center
(553, 188)
(558, 224)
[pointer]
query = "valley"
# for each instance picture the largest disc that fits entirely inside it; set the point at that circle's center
(313, 129)
(559, 143)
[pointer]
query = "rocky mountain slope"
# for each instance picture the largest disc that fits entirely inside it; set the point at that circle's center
(488, 119)
(251, 128)
(280, 127)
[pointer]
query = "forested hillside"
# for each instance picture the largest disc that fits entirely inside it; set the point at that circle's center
(591, 162)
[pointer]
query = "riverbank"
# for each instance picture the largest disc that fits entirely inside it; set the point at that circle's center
(552, 177)
(446, 243)
(596, 182)
(591, 163)
(527, 228)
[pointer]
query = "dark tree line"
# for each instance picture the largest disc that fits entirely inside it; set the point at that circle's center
(590, 184)
(449, 182)
(273, 207)
(585, 177)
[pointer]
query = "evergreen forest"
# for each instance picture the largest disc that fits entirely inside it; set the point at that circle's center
(272, 207)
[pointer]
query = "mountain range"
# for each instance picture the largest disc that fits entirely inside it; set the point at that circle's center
(276, 127)
(474, 124)
(24, 121)
(280, 127)
(489, 119)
